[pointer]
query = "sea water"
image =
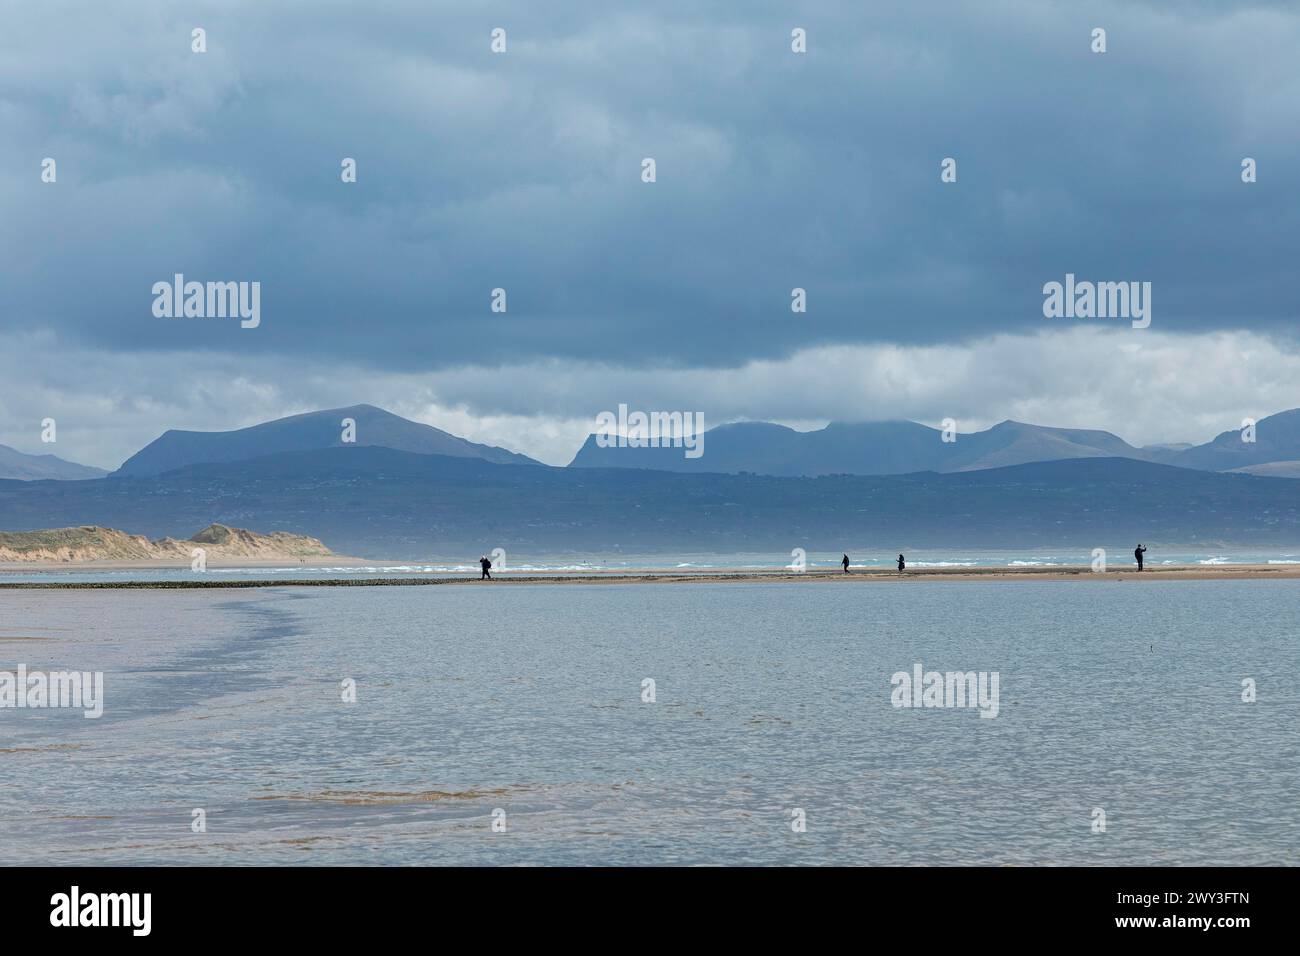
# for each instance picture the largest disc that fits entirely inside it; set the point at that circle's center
(515, 725)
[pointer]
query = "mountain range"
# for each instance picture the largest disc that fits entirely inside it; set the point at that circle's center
(307, 432)
(903, 447)
(16, 464)
(379, 503)
(764, 448)
(408, 491)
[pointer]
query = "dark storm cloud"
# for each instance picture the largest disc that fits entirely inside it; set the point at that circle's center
(522, 171)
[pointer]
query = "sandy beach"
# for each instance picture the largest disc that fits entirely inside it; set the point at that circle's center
(1249, 572)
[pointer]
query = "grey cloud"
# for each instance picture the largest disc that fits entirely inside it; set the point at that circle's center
(108, 406)
(521, 171)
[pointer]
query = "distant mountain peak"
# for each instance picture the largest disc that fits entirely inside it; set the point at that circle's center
(895, 446)
(23, 467)
(369, 425)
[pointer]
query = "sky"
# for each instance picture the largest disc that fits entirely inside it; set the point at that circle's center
(522, 170)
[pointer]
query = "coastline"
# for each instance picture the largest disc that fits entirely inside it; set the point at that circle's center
(1241, 572)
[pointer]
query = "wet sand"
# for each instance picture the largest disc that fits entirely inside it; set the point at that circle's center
(1239, 572)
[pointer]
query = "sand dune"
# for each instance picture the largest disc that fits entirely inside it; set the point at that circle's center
(90, 543)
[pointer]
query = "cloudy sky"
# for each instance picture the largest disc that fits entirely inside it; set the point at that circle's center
(522, 170)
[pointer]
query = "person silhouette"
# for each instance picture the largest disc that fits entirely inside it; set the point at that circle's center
(902, 565)
(485, 564)
(1138, 552)
(845, 562)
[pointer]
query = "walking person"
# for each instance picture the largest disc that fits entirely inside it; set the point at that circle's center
(486, 565)
(902, 564)
(845, 562)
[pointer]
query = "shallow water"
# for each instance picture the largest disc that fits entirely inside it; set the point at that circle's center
(1124, 696)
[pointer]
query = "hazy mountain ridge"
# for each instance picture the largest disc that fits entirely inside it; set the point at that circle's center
(858, 448)
(371, 500)
(311, 430)
(867, 448)
(1277, 439)
(23, 467)
(903, 447)
(380, 503)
